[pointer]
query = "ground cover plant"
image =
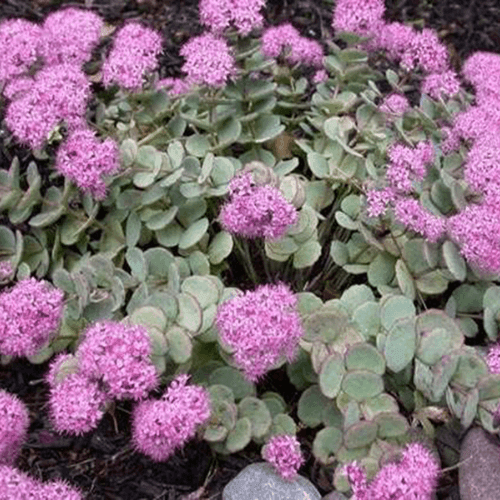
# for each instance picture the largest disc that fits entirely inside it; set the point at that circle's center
(325, 211)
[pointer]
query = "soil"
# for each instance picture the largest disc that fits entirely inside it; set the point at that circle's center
(103, 464)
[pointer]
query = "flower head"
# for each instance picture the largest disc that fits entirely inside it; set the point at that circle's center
(378, 200)
(58, 93)
(69, 35)
(283, 453)
(363, 17)
(134, 54)
(160, 427)
(260, 327)
(298, 49)
(394, 105)
(482, 69)
(58, 489)
(16, 485)
(476, 230)
(441, 84)
(208, 61)
(14, 423)
(85, 160)
(493, 358)
(19, 41)
(256, 211)
(482, 168)
(408, 165)
(425, 51)
(30, 314)
(414, 477)
(76, 404)
(410, 213)
(218, 15)
(394, 38)
(119, 355)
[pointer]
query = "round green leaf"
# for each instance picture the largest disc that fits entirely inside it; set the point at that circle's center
(190, 314)
(310, 406)
(158, 260)
(179, 344)
(362, 384)
(454, 261)
(367, 319)
(432, 283)
(405, 280)
(283, 424)
(400, 344)
(433, 345)
(379, 404)
(360, 435)
(197, 145)
(470, 408)
(356, 295)
(381, 269)
(220, 247)
(308, 253)
(203, 289)
(364, 356)
(240, 435)
(326, 443)
(396, 308)
(193, 234)
(391, 425)
(258, 414)
(318, 164)
(489, 387)
(149, 316)
(233, 379)
(471, 368)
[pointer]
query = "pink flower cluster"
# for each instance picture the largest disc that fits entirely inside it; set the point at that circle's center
(76, 404)
(16, 485)
(406, 166)
(256, 210)
(414, 50)
(208, 61)
(218, 15)
(260, 327)
(134, 54)
(439, 85)
(283, 453)
(394, 105)
(118, 356)
(14, 423)
(363, 17)
(18, 47)
(57, 93)
(476, 229)
(112, 362)
(160, 427)
(83, 159)
(296, 48)
(30, 314)
(413, 478)
(493, 358)
(69, 36)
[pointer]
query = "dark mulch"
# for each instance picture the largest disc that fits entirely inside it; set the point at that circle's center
(103, 464)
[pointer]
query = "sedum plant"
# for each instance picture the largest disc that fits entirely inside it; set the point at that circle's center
(323, 209)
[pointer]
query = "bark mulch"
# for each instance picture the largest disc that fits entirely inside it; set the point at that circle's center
(103, 464)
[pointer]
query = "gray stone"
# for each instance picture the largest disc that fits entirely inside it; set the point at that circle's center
(479, 470)
(260, 482)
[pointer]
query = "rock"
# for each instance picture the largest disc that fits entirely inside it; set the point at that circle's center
(479, 470)
(260, 482)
